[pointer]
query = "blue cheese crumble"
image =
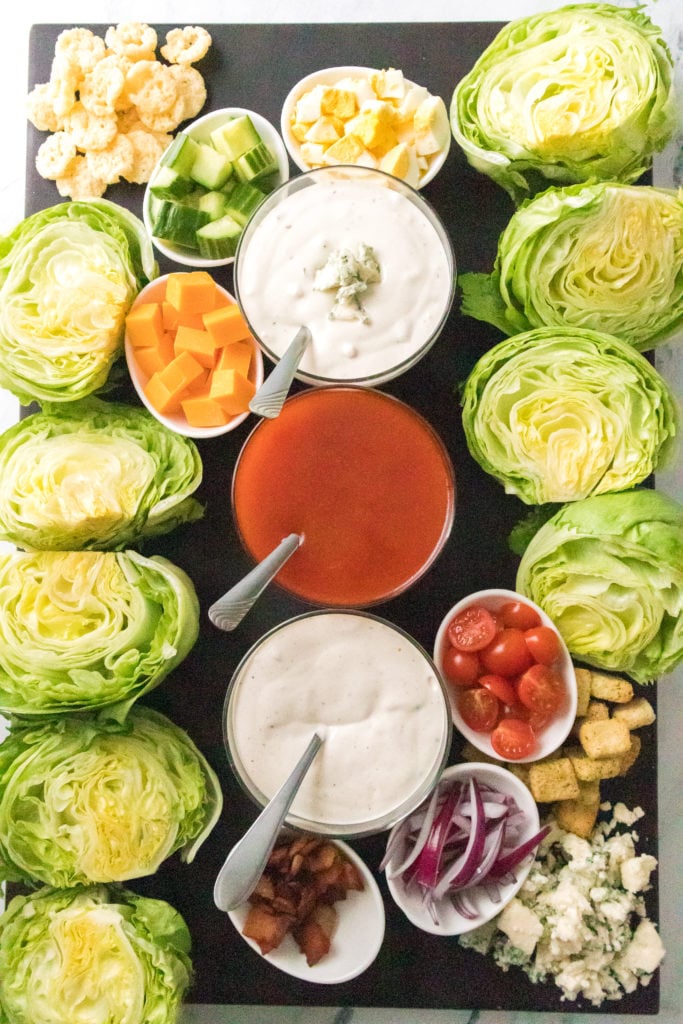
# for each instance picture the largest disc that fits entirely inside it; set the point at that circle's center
(348, 275)
(580, 916)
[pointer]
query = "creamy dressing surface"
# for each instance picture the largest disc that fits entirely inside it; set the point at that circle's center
(276, 274)
(373, 694)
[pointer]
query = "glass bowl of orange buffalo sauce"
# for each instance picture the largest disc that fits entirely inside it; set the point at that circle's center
(365, 481)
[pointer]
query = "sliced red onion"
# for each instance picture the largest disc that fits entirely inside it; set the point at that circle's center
(510, 860)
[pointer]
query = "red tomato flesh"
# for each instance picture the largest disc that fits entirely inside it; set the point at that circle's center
(479, 708)
(500, 686)
(543, 643)
(507, 654)
(472, 629)
(541, 690)
(460, 667)
(512, 738)
(519, 614)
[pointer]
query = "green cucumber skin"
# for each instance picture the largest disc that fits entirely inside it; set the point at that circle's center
(235, 137)
(258, 162)
(242, 202)
(168, 184)
(181, 154)
(218, 240)
(179, 223)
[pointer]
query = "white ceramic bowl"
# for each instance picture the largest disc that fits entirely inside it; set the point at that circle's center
(278, 697)
(330, 76)
(356, 941)
(201, 130)
(450, 921)
(557, 731)
(178, 422)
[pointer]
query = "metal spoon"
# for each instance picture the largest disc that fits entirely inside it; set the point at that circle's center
(270, 397)
(246, 861)
(229, 610)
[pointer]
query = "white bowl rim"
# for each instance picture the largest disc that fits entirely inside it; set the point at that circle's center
(331, 75)
(274, 142)
(174, 422)
(557, 732)
(360, 929)
(414, 909)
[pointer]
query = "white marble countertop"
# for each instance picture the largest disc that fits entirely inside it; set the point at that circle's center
(13, 78)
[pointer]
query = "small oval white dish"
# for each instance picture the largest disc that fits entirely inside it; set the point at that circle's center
(448, 920)
(356, 941)
(200, 130)
(556, 732)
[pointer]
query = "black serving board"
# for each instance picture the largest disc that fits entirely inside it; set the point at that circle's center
(254, 66)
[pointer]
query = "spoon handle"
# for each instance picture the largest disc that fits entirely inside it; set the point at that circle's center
(246, 861)
(271, 396)
(229, 610)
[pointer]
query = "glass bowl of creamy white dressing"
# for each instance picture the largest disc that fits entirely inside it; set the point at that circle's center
(373, 694)
(357, 256)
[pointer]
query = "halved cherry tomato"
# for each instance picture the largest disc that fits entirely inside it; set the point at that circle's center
(507, 654)
(500, 686)
(543, 643)
(460, 667)
(479, 708)
(472, 629)
(541, 690)
(519, 614)
(512, 738)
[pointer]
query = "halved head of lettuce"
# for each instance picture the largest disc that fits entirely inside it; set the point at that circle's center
(68, 276)
(83, 800)
(92, 954)
(609, 572)
(82, 630)
(94, 474)
(558, 414)
(583, 92)
(604, 256)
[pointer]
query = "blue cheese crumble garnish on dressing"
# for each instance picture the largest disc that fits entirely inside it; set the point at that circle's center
(580, 916)
(349, 275)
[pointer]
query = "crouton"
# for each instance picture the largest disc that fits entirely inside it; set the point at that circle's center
(576, 817)
(604, 738)
(589, 793)
(553, 780)
(583, 690)
(612, 688)
(637, 713)
(631, 756)
(588, 769)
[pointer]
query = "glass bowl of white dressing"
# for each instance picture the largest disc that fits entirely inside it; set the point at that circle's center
(357, 256)
(373, 694)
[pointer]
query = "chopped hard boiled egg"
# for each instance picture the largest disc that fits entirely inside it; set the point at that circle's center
(376, 120)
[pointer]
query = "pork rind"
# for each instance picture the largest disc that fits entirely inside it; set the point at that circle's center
(113, 105)
(186, 45)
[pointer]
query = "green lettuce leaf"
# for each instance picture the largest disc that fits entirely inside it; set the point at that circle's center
(91, 954)
(558, 414)
(83, 800)
(94, 474)
(580, 93)
(85, 629)
(609, 572)
(68, 276)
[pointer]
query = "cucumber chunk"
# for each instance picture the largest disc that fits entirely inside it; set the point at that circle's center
(181, 154)
(168, 184)
(235, 137)
(210, 168)
(179, 223)
(213, 203)
(218, 240)
(242, 202)
(255, 163)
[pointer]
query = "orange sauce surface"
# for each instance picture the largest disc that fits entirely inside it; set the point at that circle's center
(366, 481)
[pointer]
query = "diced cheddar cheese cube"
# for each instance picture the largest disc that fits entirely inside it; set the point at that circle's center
(235, 356)
(226, 325)
(204, 411)
(232, 390)
(193, 292)
(144, 324)
(169, 316)
(198, 343)
(181, 372)
(160, 396)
